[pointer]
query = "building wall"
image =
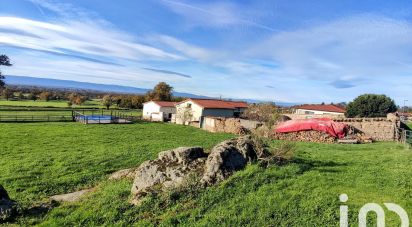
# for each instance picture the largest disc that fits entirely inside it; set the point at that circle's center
(218, 112)
(198, 112)
(308, 116)
(152, 111)
(167, 111)
(316, 112)
(195, 110)
(149, 108)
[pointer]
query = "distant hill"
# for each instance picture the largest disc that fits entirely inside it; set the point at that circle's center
(70, 84)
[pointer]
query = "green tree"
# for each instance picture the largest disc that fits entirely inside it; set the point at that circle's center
(137, 101)
(161, 92)
(107, 101)
(370, 105)
(31, 96)
(4, 60)
(126, 102)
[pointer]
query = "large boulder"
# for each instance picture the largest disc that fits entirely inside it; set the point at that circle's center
(227, 157)
(173, 167)
(168, 170)
(8, 207)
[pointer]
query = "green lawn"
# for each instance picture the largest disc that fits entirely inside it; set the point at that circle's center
(58, 112)
(39, 160)
(57, 104)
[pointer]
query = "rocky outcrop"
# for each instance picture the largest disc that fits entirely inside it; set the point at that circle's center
(168, 170)
(172, 167)
(227, 157)
(8, 207)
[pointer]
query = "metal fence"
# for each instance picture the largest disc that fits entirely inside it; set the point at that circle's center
(113, 118)
(85, 116)
(406, 137)
(35, 118)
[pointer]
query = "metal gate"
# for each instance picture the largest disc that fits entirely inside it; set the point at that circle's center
(406, 137)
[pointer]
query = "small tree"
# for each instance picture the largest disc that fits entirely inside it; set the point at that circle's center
(31, 96)
(185, 114)
(76, 99)
(19, 95)
(264, 112)
(107, 101)
(4, 60)
(370, 105)
(7, 93)
(45, 95)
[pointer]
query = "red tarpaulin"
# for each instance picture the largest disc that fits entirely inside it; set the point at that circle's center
(334, 129)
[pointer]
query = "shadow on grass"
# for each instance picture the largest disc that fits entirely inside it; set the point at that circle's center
(322, 166)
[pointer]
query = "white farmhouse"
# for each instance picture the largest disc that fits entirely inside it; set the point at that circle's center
(193, 110)
(320, 109)
(158, 110)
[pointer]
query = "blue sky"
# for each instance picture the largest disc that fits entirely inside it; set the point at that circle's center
(279, 50)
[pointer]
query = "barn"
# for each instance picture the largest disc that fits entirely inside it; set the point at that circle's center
(192, 110)
(158, 110)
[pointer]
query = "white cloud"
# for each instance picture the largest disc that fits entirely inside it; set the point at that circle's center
(80, 37)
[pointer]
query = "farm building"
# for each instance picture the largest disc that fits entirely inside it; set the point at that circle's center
(193, 110)
(158, 110)
(320, 109)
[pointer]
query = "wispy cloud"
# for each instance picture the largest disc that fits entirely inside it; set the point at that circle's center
(214, 14)
(168, 72)
(76, 36)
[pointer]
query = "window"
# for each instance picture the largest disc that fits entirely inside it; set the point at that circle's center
(309, 112)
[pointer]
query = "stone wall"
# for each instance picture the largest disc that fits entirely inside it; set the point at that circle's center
(379, 129)
(228, 125)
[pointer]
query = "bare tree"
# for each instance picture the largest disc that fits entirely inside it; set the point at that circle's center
(185, 114)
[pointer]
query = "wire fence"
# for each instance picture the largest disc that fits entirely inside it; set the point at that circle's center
(35, 118)
(85, 116)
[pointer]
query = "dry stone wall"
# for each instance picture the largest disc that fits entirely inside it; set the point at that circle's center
(379, 129)
(229, 125)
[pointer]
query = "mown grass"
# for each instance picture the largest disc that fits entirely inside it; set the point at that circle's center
(65, 112)
(303, 193)
(42, 159)
(45, 159)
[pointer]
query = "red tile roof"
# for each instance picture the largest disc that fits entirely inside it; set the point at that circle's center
(326, 108)
(218, 104)
(165, 103)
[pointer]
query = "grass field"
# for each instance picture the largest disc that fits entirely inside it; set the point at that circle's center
(68, 112)
(56, 104)
(39, 160)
